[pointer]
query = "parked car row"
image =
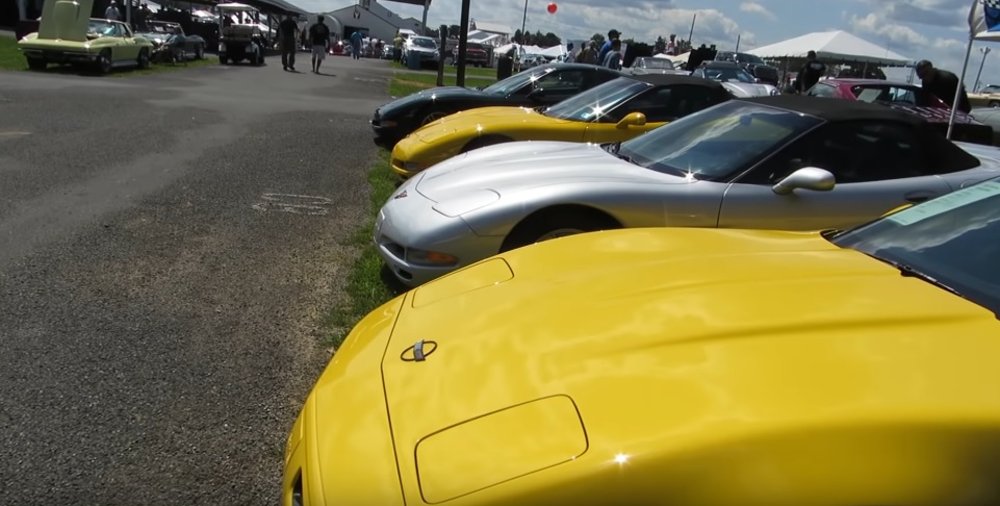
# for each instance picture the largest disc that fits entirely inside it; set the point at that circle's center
(742, 300)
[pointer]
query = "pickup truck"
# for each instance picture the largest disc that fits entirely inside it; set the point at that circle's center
(475, 55)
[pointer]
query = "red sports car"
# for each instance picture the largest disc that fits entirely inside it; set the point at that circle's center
(907, 97)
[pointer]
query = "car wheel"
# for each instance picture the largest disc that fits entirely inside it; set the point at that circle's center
(432, 116)
(37, 64)
(994, 103)
(104, 61)
(143, 58)
(487, 140)
(223, 60)
(199, 52)
(557, 222)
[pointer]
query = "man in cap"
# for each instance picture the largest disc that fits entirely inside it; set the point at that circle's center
(112, 11)
(811, 72)
(943, 85)
(612, 35)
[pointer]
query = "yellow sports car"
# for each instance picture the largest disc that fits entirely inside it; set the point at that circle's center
(615, 111)
(678, 366)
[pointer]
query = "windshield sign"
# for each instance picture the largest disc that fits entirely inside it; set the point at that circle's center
(953, 241)
(718, 142)
(594, 103)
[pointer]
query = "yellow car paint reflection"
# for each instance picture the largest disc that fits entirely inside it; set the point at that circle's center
(459, 132)
(661, 366)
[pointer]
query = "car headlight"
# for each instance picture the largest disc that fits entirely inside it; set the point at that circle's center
(430, 258)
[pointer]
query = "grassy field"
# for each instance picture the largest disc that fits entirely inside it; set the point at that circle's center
(12, 59)
(469, 71)
(405, 83)
(368, 285)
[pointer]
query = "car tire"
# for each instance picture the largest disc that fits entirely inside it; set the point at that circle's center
(104, 62)
(557, 222)
(486, 140)
(143, 61)
(37, 64)
(994, 104)
(199, 52)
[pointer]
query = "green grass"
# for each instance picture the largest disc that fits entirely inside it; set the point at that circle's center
(488, 72)
(367, 288)
(10, 57)
(405, 83)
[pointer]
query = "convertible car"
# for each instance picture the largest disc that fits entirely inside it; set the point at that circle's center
(536, 87)
(170, 41)
(612, 112)
(68, 35)
(678, 366)
(789, 162)
(906, 97)
(739, 82)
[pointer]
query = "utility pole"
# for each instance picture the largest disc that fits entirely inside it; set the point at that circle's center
(985, 50)
(691, 33)
(463, 39)
(738, 37)
(524, 20)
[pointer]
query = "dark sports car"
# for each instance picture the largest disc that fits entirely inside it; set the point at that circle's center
(171, 44)
(535, 87)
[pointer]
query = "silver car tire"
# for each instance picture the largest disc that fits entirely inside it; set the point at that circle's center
(557, 222)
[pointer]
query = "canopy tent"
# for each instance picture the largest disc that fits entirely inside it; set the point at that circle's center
(833, 47)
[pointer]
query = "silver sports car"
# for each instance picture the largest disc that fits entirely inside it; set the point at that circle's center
(791, 162)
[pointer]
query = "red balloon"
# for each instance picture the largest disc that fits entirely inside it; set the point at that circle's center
(552, 8)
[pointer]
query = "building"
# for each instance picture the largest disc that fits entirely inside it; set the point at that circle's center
(493, 34)
(372, 19)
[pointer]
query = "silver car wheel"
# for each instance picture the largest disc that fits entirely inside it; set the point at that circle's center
(559, 232)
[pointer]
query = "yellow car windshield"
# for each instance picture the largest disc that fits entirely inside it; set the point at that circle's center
(596, 102)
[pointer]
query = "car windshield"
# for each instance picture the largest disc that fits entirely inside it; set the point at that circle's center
(424, 42)
(952, 241)
(750, 58)
(658, 63)
(718, 142)
(101, 28)
(161, 28)
(517, 81)
(594, 103)
(728, 74)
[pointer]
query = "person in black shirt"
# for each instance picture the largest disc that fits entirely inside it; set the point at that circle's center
(319, 36)
(943, 85)
(810, 73)
(287, 30)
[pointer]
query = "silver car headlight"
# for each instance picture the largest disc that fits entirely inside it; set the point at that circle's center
(430, 258)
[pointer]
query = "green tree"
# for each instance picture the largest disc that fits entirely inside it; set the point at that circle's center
(550, 40)
(660, 46)
(518, 37)
(454, 31)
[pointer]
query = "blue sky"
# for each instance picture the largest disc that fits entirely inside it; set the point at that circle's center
(933, 29)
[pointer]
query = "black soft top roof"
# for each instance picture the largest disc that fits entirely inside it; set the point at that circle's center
(837, 110)
(673, 79)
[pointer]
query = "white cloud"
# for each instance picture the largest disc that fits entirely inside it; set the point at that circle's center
(756, 8)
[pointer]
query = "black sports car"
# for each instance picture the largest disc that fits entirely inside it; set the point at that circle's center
(535, 87)
(171, 44)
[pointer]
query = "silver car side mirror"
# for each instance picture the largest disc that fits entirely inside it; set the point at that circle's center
(808, 178)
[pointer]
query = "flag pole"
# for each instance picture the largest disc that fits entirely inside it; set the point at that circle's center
(961, 85)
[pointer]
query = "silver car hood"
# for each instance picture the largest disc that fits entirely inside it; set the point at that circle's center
(514, 166)
(747, 90)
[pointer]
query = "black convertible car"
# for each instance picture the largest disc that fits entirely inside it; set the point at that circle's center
(171, 44)
(536, 87)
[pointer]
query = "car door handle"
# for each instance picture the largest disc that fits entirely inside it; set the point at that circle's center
(920, 196)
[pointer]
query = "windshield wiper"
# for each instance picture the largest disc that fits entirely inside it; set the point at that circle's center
(909, 272)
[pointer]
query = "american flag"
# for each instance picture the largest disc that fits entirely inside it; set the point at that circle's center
(991, 4)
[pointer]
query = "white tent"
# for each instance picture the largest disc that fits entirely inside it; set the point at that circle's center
(833, 46)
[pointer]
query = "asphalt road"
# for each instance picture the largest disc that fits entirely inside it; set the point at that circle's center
(169, 246)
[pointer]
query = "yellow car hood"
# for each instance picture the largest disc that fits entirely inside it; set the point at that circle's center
(698, 366)
(500, 119)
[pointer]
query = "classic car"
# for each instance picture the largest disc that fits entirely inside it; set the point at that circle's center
(988, 96)
(170, 41)
(907, 97)
(753, 64)
(644, 65)
(612, 112)
(737, 81)
(240, 36)
(536, 87)
(67, 34)
(678, 366)
(788, 162)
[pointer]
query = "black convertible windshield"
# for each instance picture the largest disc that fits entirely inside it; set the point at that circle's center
(718, 142)
(516, 81)
(594, 103)
(952, 241)
(728, 74)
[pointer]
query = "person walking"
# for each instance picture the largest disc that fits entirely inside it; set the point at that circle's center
(810, 73)
(288, 31)
(943, 85)
(112, 12)
(588, 54)
(319, 36)
(356, 38)
(613, 59)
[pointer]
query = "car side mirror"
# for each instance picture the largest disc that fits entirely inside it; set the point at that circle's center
(632, 119)
(807, 178)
